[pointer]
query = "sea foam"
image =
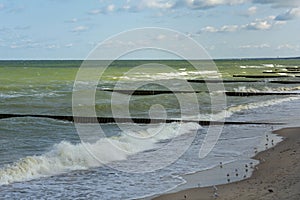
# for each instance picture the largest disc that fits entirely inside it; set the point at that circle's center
(65, 156)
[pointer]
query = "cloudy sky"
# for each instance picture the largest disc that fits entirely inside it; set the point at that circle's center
(70, 29)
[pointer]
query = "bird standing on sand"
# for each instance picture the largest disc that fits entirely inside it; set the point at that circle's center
(215, 191)
(215, 188)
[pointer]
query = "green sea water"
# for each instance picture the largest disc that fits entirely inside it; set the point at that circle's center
(44, 158)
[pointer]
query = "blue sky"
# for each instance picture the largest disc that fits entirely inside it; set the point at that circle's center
(70, 29)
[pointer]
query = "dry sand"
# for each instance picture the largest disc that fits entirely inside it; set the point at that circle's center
(276, 177)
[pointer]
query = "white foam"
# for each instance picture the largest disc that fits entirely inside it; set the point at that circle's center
(265, 89)
(268, 65)
(23, 94)
(181, 74)
(234, 109)
(251, 67)
(221, 116)
(65, 156)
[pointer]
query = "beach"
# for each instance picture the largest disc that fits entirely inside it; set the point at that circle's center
(276, 177)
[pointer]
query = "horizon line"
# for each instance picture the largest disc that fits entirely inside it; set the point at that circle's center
(156, 59)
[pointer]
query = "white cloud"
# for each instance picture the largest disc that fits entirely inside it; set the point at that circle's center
(136, 5)
(252, 10)
(209, 29)
(258, 25)
(225, 28)
(16, 46)
(203, 4)
(110, 8)
(251, 46)
(95, 12)
(279, 3)
(289, 15)
(126, 7)
(280, 23)
(52, 46)
(80, 29)
(73, 20)
(158, 4)
(69, 45)
(229, 28)
(105, 10)
(1, 6)
(289, 47)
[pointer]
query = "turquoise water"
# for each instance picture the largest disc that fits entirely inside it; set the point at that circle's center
(47, 158)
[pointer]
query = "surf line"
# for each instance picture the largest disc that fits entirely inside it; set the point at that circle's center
(81, 119)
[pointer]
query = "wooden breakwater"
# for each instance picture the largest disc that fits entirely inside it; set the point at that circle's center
(103, 120)
(221, 81)
(147, 92)
(260, 75)
(259, 93)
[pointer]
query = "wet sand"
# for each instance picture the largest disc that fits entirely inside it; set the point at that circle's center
(276, 177)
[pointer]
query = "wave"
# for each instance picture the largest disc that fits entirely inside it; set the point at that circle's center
(65, 156)
(221, 116)
(39, 94)
(262, 66)
(181, 74)
(239, 108)
(266, 89)
(251, 66)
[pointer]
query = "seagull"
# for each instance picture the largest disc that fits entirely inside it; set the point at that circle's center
(216, 195)
(215, 188)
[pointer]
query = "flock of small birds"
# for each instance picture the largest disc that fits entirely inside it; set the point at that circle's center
(236, 171)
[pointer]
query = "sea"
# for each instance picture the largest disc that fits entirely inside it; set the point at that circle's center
(52, 158)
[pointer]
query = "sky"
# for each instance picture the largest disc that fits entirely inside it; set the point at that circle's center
(71, 29)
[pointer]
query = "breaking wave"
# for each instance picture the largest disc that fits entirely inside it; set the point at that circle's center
(65, 156)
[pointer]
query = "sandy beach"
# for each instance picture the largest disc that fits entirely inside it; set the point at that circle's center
(276, 177)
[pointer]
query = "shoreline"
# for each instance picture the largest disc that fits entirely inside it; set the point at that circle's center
(275, 177)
